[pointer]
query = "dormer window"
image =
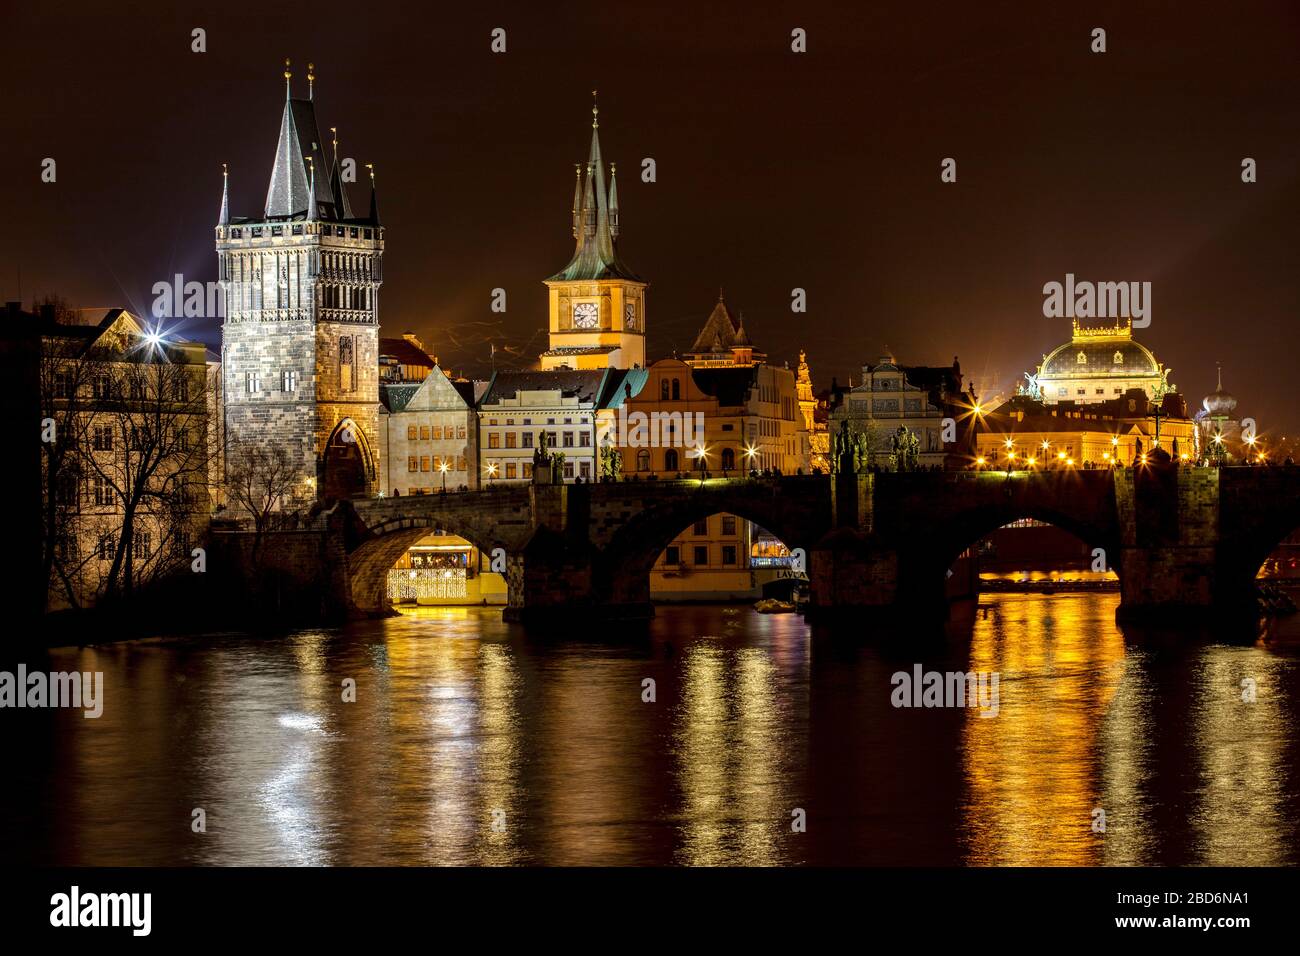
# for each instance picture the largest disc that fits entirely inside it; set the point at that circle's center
(1083, 359)
(1119, 358)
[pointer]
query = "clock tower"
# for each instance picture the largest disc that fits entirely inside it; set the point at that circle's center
(597, 304)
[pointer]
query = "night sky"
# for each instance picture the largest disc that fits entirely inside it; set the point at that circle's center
(775, 170)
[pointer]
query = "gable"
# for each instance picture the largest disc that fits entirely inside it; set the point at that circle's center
(436, 392)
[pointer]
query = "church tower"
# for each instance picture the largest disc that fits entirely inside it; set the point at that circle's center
(597, 304)
(300, 340)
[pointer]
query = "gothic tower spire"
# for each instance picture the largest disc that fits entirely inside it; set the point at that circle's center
(224, 217)
(597, 304)
(577, 203)
(374, 200)
(342, 207)
(613, 201)
(312, 207)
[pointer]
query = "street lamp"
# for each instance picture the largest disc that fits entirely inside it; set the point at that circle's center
(442, 467)
(492, 472)
(702, 460)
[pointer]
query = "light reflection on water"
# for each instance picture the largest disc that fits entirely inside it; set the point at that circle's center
(470, 742)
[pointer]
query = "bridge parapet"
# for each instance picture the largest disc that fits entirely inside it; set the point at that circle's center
(1179, 538)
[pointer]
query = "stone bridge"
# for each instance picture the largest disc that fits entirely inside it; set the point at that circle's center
(1180, 539)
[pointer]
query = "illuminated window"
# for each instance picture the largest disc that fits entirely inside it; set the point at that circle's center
(410, 433)
(494, 440)
(510, 469)
(412, 464)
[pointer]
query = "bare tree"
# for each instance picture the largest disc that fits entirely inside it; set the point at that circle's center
(259, 480)
(147, 462)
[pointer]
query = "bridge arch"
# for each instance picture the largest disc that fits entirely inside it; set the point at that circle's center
(622, 568)
(370, 561)
(1260, 509)
(1081, 504)
(968, 528)
(348, 464)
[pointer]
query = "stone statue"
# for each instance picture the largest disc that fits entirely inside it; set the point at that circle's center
(611, 462)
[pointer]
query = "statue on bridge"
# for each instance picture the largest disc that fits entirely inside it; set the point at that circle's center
(544, 470)
(851, 453)
(907, 449)
(611, 462)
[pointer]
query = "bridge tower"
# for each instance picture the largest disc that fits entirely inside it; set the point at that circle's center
(300, 337)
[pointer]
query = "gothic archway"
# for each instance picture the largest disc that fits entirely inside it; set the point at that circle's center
(349, 468)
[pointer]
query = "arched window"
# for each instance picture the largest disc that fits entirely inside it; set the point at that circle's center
(670, 459)
(677, 389)
(643, 459)
(728, 459)
(663, 389)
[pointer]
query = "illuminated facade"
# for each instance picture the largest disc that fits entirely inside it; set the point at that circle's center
(1023, 432)
(892, 396)
(131, 415)
(300, 341)
(596, 303)
(563, 404)
(819, 436)
(428, 436)
(1097, 365)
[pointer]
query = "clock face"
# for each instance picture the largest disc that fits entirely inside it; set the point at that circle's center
(586, 315)
(629, 315)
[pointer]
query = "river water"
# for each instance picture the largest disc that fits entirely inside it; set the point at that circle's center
(767, 742)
